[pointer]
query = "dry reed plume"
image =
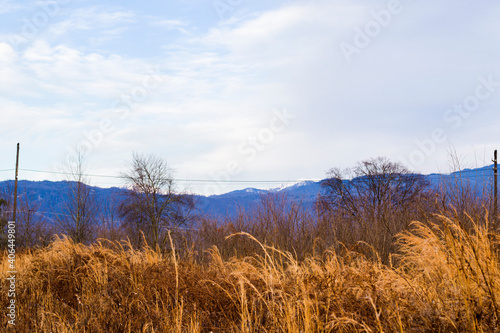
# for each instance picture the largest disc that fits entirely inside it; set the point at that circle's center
(444, 279)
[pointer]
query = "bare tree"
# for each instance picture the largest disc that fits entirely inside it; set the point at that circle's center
(109, 219)
(79, 214)
(32, 227)
(373, 201)
(464, 194)
(152, 206)
(4, 218)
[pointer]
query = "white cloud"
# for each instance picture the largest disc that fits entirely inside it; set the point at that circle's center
(7, 6)
(408, 74)
(178, 25)
(219, 88)
(92, 18)
(65, 72)
(7, 54)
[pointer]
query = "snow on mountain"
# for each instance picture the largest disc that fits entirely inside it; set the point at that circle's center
(49, 197)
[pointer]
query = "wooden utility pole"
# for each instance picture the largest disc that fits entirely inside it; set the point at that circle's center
(15, 186)
(495, 190)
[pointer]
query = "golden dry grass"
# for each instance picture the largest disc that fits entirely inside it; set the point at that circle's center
(444, 279)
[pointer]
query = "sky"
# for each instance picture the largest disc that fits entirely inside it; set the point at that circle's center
(239, 93)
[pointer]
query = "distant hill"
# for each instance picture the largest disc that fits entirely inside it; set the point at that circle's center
(50, 197)
(230, 203)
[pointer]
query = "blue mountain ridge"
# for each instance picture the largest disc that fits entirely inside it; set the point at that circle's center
(49, 198)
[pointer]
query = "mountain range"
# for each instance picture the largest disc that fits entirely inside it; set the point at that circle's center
(49, 198)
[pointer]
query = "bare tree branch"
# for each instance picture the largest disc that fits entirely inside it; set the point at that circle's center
(152, 206)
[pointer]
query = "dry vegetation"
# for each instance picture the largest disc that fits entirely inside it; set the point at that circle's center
(444, 279)
(358, 263)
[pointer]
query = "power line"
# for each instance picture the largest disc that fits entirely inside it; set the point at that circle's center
(176, 179)
(37, 212)
(482, 173)
(453, 174)
(69, 173)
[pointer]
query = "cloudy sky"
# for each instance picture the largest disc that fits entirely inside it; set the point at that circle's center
(240, 90)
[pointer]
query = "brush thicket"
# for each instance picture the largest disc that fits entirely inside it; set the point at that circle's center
(445, 278)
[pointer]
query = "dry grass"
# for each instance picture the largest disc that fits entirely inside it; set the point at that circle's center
(445, 279)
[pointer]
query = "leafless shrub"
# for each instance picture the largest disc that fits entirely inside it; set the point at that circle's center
(372, 202)
(79, 217)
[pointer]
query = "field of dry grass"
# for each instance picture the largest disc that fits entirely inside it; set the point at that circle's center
(443, 279)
